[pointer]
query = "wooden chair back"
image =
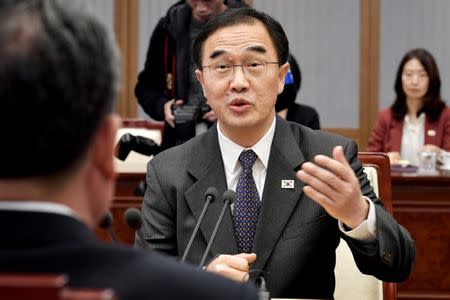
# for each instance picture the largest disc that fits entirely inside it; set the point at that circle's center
(349, 281)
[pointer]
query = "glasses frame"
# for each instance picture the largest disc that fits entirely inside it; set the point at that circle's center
(238, 65)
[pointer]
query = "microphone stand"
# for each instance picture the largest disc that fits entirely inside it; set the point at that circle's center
(228, 197)
(133, 218)
(210, 195)
(106, 223)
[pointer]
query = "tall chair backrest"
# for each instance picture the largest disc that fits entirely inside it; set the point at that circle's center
(39, 286)
(350, 282)
(31, 286)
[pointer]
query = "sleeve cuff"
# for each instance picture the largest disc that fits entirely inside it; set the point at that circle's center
(366, 231)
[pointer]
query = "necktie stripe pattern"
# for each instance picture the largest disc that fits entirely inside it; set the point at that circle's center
(247, 205)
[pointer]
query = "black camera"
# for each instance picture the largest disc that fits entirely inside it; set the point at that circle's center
(139, 144)
(186, 118)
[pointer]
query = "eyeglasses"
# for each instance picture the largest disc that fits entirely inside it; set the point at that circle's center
(226, 70)
(415, 76)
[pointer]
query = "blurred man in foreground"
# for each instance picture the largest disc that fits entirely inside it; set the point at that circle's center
(59, 76)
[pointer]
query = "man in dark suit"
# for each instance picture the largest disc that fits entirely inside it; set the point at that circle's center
(59, 76)
(297, 190)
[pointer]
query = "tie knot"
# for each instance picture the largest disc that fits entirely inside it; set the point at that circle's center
(247, 159)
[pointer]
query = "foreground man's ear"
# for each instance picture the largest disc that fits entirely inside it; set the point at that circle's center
(103, 145)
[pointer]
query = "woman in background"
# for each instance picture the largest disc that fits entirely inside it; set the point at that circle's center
(419, 119)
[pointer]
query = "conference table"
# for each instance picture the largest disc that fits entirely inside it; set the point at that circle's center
(421, 203)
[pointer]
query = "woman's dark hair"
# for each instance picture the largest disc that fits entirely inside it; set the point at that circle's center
(290, 91)
(236, 16)
(296, 73)
(433, 103)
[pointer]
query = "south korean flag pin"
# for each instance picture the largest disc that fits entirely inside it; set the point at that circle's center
(287, 184)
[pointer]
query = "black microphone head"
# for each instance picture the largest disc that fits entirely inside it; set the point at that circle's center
(212, 193)
(133, 218)
(107, 220)
(229, 195)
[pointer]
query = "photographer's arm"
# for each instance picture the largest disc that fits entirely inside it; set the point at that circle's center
(150, 89)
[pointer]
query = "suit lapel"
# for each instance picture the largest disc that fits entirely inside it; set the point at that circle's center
(207, 168)
(277, 202)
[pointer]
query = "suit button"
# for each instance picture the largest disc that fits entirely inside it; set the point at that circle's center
(387, 256)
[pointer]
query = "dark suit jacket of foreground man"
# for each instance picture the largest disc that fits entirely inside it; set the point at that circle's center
(295, 238)
(55, 243)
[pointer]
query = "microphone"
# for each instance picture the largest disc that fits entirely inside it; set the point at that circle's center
(133, 218)
(138, 143)
(106, 223)
(228, 198)
(210, 195)
(140, 189)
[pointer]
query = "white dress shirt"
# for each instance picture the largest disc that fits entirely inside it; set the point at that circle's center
(413, 138)
(230, 151)
(230, 155)
(38, 206)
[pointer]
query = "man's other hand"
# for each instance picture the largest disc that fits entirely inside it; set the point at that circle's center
(332, 183)
(234, 267)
